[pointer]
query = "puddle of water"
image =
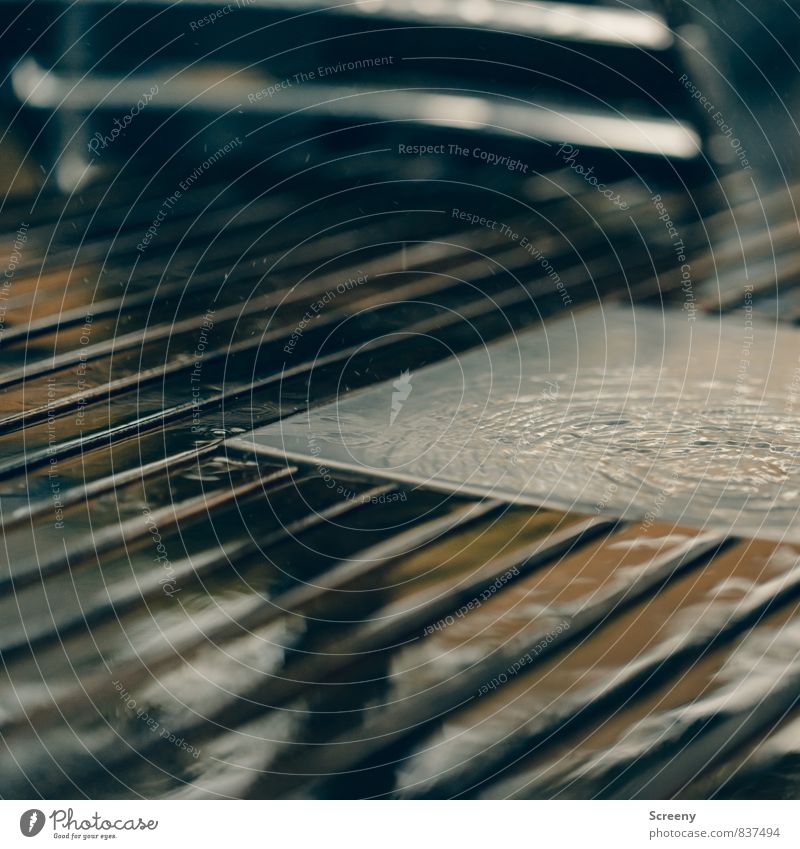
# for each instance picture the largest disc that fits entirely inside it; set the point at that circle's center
(633, 413)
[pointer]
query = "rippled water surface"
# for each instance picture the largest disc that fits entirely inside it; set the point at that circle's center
(633, 413)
